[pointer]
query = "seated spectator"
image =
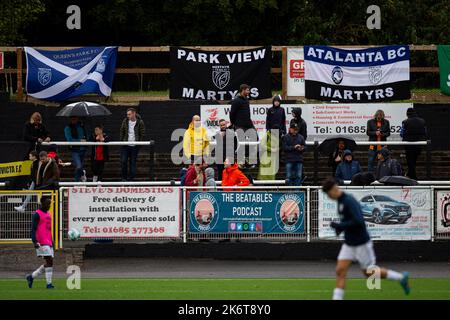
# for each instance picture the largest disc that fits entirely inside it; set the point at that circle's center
(293, 147)
(386, 165)
(232, 176)
(99, 154)
(347, 168)
(47, 175)
(336, 157)
(209, 176)
(195, 176)
(35, 132)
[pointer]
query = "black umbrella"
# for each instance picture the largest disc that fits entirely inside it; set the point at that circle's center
(329, 145)
(83, 109)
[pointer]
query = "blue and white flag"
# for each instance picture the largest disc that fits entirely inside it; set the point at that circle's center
(366, 75)
(60, 75)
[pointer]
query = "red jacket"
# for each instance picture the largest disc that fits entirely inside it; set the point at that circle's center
(191, 175)
(232, 176)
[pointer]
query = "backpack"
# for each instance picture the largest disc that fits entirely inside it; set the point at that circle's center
(183, 174)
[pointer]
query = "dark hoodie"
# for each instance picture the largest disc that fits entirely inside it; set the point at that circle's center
(276, 117)
(301, 124)
(413, 128)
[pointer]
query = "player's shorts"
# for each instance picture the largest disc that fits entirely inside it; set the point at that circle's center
(44, 251)
(363, 254)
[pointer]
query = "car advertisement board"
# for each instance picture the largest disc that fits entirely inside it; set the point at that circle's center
(390, 214)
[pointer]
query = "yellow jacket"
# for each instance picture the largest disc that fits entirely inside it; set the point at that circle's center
(195, 141)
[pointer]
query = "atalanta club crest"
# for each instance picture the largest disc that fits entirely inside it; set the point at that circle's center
(204, 212)
(337, 75)
(290, 213)
(44, 76)
(375, 74)
(221, 76)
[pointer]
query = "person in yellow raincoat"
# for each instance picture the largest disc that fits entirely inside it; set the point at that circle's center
(195, 141)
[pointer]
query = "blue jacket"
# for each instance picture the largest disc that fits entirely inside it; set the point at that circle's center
(346, 170)
(290, 153)
(352, 221)
(81, 135)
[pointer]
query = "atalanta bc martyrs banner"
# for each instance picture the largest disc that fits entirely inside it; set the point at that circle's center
(60, 75)
(247, 212)
(367, 75)
(217, 75)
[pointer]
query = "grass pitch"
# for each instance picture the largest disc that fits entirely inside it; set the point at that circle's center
(215, 289)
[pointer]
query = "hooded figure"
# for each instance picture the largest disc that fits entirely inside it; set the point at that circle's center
(209, 177)
(301, 124)
(348, 167)
(195, 141)
(386, 166)
(413, 129)
(276, 116)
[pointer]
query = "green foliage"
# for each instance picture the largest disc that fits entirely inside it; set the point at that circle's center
(14, 16)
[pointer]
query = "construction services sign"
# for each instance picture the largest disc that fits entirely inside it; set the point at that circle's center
(15, 169)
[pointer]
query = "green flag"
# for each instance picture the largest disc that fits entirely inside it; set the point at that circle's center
(444, 68)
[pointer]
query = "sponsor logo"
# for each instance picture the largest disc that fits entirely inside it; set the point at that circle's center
(289, 212)
(375, 74)
(337, 75)
(221, 76)
(212, 114)
(297, 69)
(44, 76)
(204, 212)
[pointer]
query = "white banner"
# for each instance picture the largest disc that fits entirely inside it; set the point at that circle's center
(390, 214)
(295, 72)
(323, 120)
(125, 212)
(443, 211)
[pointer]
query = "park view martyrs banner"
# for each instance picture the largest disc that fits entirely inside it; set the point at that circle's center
(217, 75)
(60, 75)
(444, 68)
(359, 76)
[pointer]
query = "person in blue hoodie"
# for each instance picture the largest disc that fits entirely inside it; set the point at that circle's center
(75, 132)
(347, 168)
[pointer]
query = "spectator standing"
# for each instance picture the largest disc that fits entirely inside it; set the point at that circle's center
(209, 177)
(242, 123)
(131, 130)
(195, 141)
(35, 132)
(232, 176)
(336, 157)
(276, 116)
(99, 154)
(347, 168)
(75, 132)
(293, 147)
(378, 129)
(195, 175)
(226, 145)
(386, 165)
(34, 157)
(300, 122)
(413, 129)
(47, 173)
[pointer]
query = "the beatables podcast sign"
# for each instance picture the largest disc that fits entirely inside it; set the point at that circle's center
(217, 75)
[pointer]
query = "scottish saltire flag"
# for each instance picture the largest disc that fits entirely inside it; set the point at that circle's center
(357, 75)
(59, 75)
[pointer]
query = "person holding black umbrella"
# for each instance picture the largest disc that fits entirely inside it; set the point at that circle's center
(75, 132)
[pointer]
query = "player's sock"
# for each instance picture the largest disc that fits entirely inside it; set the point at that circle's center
(338, 294)
(394, 275)
(37, 272)
(49, 274)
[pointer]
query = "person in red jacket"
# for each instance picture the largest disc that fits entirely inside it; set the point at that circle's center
(195, 176)
(232, 176)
